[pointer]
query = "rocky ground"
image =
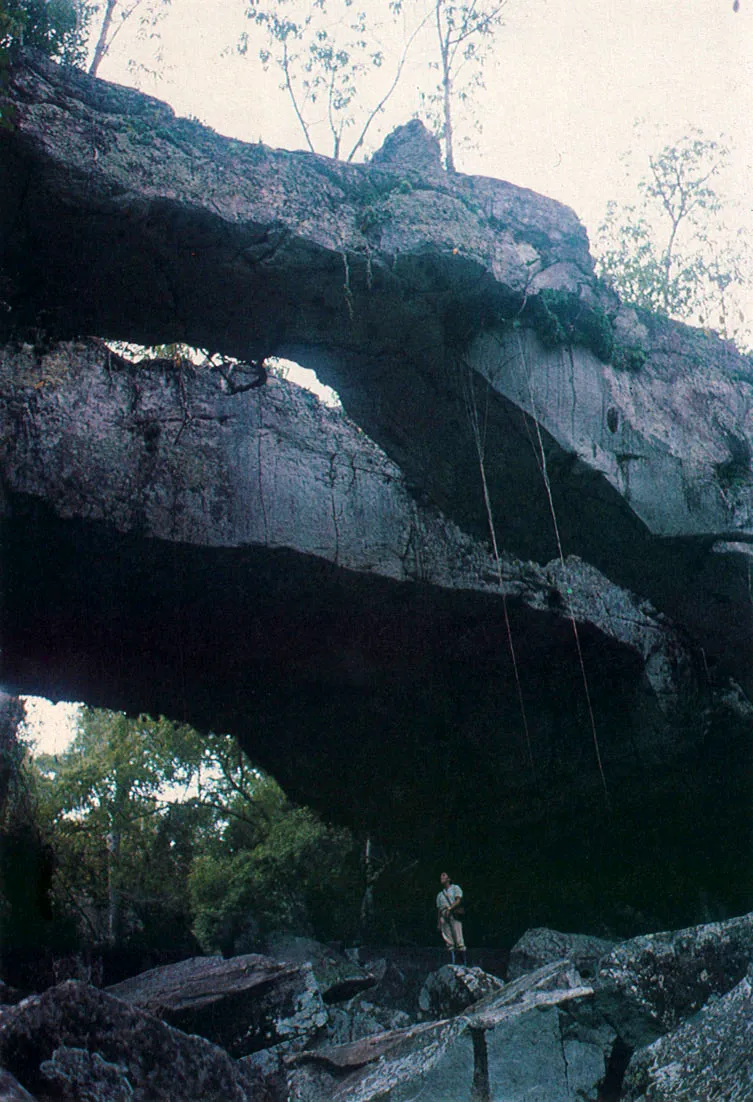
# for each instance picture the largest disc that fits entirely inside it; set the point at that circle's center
(662, 1017)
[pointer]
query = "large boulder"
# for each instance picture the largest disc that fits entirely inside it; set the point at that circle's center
(649, 985)
(359, 1017)
(543, 946)
(244, 1004)
(339, 978)
(371, 1068)
(453, 988)
(709, 1058)
(73, 1035)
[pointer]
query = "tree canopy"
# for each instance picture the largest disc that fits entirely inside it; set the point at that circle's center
(671, 251)
(156, 829)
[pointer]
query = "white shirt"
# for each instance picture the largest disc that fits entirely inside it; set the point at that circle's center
(448, 896)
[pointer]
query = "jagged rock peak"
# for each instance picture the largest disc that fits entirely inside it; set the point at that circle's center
(412, 145)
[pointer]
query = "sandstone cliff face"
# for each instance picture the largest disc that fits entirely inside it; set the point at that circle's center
(256, 562)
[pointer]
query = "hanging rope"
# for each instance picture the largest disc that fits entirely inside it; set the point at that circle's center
(571, 616)
(479, 438)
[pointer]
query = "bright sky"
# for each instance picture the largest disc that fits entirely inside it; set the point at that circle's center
(49, 725)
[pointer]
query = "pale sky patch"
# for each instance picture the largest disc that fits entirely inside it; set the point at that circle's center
(50, 726)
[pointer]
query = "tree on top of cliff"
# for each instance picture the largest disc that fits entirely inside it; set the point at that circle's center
(464, 37)
(671, 252)
(56, 27)
(326, 52)
(115, 16)
(75, 30)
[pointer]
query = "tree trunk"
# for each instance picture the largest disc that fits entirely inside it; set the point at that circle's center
(102, 44)
(113, 887)
(444, 53)
(367, 902)
(449, 155)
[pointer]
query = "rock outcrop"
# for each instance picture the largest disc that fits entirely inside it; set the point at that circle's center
(651, 984)
(542, 946)
(163, 450)
(708, 1057)
(73, 1036)
(243, 1004)
(309, 584)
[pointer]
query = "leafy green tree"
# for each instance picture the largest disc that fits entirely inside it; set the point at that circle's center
(671, 252)
(71, 30)
(101, 802)
(57, 27)
(156, 828)
(327, 53)
(270, 865)
(465, 35)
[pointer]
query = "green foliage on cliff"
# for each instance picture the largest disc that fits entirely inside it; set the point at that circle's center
(672, 252)
(562, 318)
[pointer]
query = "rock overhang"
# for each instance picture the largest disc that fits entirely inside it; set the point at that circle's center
(119, 220)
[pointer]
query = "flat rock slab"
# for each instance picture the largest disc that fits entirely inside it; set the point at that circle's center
(75, 1034)
(369, 1069)
(551, 985)
(245, 1003)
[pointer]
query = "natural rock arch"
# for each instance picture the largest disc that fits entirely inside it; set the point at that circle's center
(248, 561)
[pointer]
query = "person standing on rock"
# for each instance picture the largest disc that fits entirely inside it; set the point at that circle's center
(449, 910)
